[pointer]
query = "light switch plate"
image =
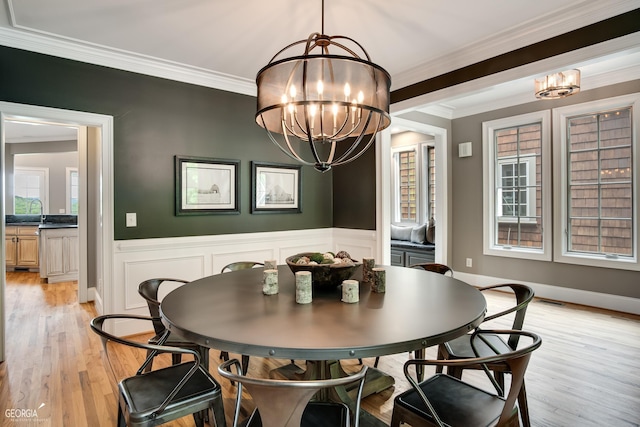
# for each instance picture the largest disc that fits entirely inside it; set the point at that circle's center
(132, 221)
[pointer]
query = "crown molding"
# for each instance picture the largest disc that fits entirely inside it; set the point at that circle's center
(122, 60)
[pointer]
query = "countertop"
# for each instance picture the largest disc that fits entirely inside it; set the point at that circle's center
(42, 226)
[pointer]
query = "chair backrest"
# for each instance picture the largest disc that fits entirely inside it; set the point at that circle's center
(517, 361)
(240, 265)
(110, 353)
(524, 295)
(282, 402)
(434, 267)
(149, 291)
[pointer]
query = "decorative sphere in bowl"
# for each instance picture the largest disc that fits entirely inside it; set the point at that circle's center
(323, 276)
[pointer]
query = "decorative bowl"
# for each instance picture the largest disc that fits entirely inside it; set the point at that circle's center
(324, 276)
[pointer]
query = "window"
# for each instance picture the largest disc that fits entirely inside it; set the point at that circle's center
(407, 186)
(429, 166)
(516, 186)
(414, 180)
(30, 189)
(72, 191)
(596, 195)
(516, 182)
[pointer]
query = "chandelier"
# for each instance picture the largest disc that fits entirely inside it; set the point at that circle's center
(558, 85)
(325, 106)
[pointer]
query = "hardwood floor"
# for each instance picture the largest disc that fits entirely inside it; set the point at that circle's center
(587, 372)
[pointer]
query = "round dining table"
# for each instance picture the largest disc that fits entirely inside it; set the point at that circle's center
(229, 312)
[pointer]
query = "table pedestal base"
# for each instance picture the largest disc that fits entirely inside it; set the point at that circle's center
(375, 380)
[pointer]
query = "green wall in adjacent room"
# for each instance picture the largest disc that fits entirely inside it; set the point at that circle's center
(156, 119)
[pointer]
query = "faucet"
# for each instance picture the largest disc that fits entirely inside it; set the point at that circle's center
(42, 216)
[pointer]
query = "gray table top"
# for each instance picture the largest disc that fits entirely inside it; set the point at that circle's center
(229, 312)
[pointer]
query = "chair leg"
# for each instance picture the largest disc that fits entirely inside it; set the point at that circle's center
(224, 355)
(245, 363)
(375, 364)
(524, 407)
(204, 357)
(419, 354)
(198, 418)
(176, 358)
(121, 421)
(150, 365)
(441, 356)
(218, 413)
(395, 419)
(499, 376)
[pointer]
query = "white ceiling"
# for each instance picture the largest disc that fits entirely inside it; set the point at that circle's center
(223, 43)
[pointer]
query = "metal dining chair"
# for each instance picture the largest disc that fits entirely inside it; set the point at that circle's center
(435, 268)
(235, 266)
(149, 289)
(240, 265)
(443, 400)
(286, 403)
(460, 348)
(155, 397)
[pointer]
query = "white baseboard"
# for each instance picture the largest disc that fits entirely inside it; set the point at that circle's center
(558, 293)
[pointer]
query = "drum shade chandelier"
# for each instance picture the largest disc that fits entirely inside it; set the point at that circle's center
(558, 85)
(324, 107)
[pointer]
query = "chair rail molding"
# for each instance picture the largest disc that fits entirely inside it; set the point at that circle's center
(194, 257)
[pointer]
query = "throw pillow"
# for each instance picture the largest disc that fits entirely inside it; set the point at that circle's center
(418, 234)
(431, 231)
(400, 233)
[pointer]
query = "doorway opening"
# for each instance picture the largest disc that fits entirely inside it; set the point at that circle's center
(437, 138)
(94, 147)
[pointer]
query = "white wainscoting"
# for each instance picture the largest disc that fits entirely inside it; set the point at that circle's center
(191, 258)
(558, 293)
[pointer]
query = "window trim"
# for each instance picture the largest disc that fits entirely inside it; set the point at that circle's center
(560, 116)
(489, 129)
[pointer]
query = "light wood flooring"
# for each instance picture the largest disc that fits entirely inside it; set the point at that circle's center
(587, 372)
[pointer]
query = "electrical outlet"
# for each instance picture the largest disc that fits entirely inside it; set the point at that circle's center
(132, 220)
(469, 262)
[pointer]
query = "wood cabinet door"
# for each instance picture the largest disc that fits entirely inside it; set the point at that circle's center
(10, 251)
(27, 251)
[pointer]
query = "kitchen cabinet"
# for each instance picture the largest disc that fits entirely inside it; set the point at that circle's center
(21, 247)
(59, 254)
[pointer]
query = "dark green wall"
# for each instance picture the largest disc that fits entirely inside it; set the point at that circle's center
(154, 120)
(354, 193)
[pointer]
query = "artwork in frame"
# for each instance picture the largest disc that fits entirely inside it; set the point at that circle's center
(275, 188)
(206, 186)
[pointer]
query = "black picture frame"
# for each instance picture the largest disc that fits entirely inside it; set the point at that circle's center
(206, 185)
(276, 188)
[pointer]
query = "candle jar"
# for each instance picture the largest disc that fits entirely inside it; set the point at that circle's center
(271, 264)
(350, 291)
(304, 293)
(270, 282)
(379, 283)
(367, 266)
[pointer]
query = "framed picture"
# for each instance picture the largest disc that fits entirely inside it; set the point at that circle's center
(275, 188)
(205, 186)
